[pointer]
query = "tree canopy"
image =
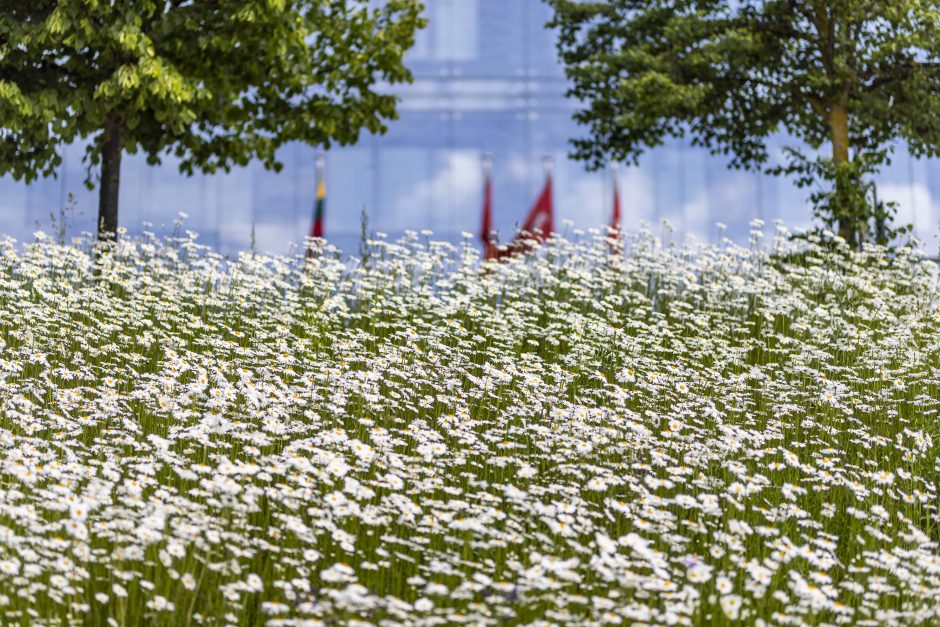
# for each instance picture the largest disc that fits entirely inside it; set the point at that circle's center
(858, 75)
(215, 83)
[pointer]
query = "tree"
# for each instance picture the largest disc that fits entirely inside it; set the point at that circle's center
(856, 74)
(214, 83)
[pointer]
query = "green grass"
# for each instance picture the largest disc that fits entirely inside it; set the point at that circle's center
(674, 435)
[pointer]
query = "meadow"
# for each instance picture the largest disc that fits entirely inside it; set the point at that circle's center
(681, 435)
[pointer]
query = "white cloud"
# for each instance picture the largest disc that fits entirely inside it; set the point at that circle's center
(637, 197)
(693, 218)
(519, 168)
(916, 205)
(460, 181)
(582, 200)
(271, 238)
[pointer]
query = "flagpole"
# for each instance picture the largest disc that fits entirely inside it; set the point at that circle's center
(487, 163)
(316, 223)
(616, 217)
(486, 229)
(320, 166)
(614, 175)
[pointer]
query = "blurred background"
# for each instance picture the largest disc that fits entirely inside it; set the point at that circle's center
(487, 80)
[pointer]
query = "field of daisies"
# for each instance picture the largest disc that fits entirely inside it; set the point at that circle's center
(670, 435)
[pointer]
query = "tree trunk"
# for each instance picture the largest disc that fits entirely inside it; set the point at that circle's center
(112, 148)
(839, 120)
(839, 128)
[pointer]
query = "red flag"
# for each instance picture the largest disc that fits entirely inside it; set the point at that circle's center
(540, 222)
(486, 228)
(615, 218)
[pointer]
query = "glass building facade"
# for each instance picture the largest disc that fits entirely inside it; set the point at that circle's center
(487, 80)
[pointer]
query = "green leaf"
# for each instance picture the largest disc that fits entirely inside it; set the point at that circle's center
(732, 73)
